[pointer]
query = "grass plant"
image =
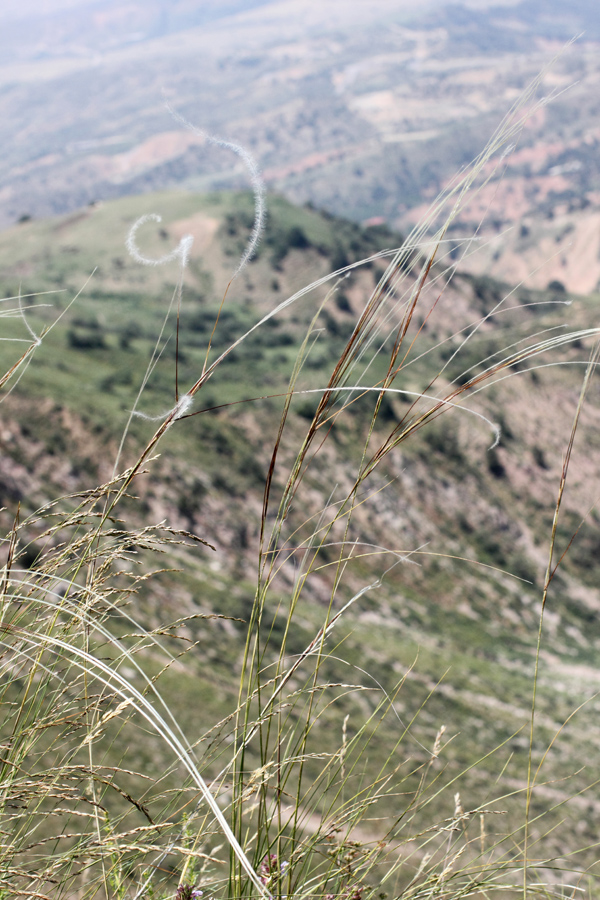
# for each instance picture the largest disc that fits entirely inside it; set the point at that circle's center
(280, 798)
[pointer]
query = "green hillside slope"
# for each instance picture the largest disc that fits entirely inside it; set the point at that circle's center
(420, 539)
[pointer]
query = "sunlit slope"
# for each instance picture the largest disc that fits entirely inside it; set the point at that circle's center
(451, 537)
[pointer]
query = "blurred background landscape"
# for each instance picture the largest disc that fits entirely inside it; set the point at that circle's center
(364, 110)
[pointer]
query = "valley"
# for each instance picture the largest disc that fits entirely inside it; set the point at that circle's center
(366, 115)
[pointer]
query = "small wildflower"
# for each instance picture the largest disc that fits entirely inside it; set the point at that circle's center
(187, 892)
(268, 868)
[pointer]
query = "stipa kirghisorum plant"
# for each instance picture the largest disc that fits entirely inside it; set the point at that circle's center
(273, 801)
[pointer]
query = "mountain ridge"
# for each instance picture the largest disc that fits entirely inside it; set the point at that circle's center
(368, 122)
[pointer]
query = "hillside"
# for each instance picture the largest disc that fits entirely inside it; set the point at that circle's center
(447, 543)
(365, 111)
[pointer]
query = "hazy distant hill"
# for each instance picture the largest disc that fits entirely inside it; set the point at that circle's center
(364, 110)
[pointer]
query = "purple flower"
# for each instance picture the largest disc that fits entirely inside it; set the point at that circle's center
(187, 892)
(268, 868)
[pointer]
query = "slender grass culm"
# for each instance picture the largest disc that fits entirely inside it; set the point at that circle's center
(289, 794)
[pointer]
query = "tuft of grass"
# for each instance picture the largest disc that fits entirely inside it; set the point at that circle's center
(312, 783)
